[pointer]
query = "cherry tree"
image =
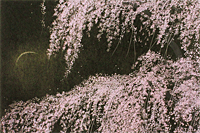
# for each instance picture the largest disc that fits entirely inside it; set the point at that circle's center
(116, 17)
(160, 96)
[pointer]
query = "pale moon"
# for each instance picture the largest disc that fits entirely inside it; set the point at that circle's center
(28, 52)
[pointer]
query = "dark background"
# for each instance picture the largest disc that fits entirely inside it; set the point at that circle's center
(20, 26)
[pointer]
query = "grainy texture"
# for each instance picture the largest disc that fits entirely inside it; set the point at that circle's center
(162, 96)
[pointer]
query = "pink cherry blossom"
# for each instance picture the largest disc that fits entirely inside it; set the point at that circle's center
(161, 96)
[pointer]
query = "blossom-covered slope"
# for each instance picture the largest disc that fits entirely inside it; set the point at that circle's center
(161, 96)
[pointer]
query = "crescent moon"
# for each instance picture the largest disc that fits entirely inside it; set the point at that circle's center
(28, 52)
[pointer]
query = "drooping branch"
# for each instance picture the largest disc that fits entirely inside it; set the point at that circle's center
(168, 16)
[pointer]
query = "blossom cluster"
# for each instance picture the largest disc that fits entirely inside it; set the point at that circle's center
(43, 8)
(162, 96)
(116, 17)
